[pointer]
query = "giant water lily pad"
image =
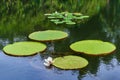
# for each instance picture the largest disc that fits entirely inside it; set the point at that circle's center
(24, 48)
(48, 35)
(93, 47)
(70, 62)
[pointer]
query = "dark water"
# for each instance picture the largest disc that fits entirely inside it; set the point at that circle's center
(20, 18)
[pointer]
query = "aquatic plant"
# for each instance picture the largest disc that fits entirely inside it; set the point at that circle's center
(48, 62)
(93, 47)
(65, 17)
(25, 48)
(70, 62)
(48, 35)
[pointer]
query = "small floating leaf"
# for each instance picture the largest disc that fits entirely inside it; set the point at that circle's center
(48, 35)
(93, 47)
(85, 16)
(67, 20)
(24, 48)
(54, 20)
(81, 17)
(59, 22)
(70, 62)
(77, 14)
(51, 17)
(60, 16)
(70, 23)
(69, 16)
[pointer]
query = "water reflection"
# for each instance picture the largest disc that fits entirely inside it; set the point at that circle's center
(20, 18)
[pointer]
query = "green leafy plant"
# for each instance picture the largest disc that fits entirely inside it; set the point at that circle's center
(65, 17)
(48, 35)
(70, 62)
(26, 48)
(93, 47)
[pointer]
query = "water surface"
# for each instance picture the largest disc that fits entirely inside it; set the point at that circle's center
(20, 18)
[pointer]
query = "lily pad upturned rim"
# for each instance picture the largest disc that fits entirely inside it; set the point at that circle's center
(48, 40)
(70, 62)
(99, 54)
(19, 44)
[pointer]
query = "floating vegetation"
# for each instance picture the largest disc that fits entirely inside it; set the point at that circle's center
(70, 62)
(54, 20)
(70, 23)
(82, 17)
(48, 35)
(24, 48)
(48, 62)
(77, 14)
(93, 47)
(64, 17)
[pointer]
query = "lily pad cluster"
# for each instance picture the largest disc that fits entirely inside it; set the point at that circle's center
(66, 17)
(90, 47)
(28, 48)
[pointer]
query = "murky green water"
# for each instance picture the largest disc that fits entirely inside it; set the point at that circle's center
(20, 18)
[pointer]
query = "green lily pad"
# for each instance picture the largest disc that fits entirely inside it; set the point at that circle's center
(77, 14)
(48, 35)
(54, 20)
(93, 47)
(70, 62)
(82, 17)
(24, 48)
(58, 22)
(67, 20)
(70, 23)
(51, 17)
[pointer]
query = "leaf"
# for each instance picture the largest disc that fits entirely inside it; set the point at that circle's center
(51, 17)
(58, 22)
(82, 17)
(54, 20)
(26, 48)
(70, 23)
(48, 35)
(93, 47)
(70, 62)
(67, 20)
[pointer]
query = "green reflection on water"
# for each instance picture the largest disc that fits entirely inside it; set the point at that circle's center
(25, 16)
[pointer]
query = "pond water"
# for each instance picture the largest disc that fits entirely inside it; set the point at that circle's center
(20, 18)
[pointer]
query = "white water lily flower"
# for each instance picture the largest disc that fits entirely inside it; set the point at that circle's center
(46, 64)
(48, 61)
